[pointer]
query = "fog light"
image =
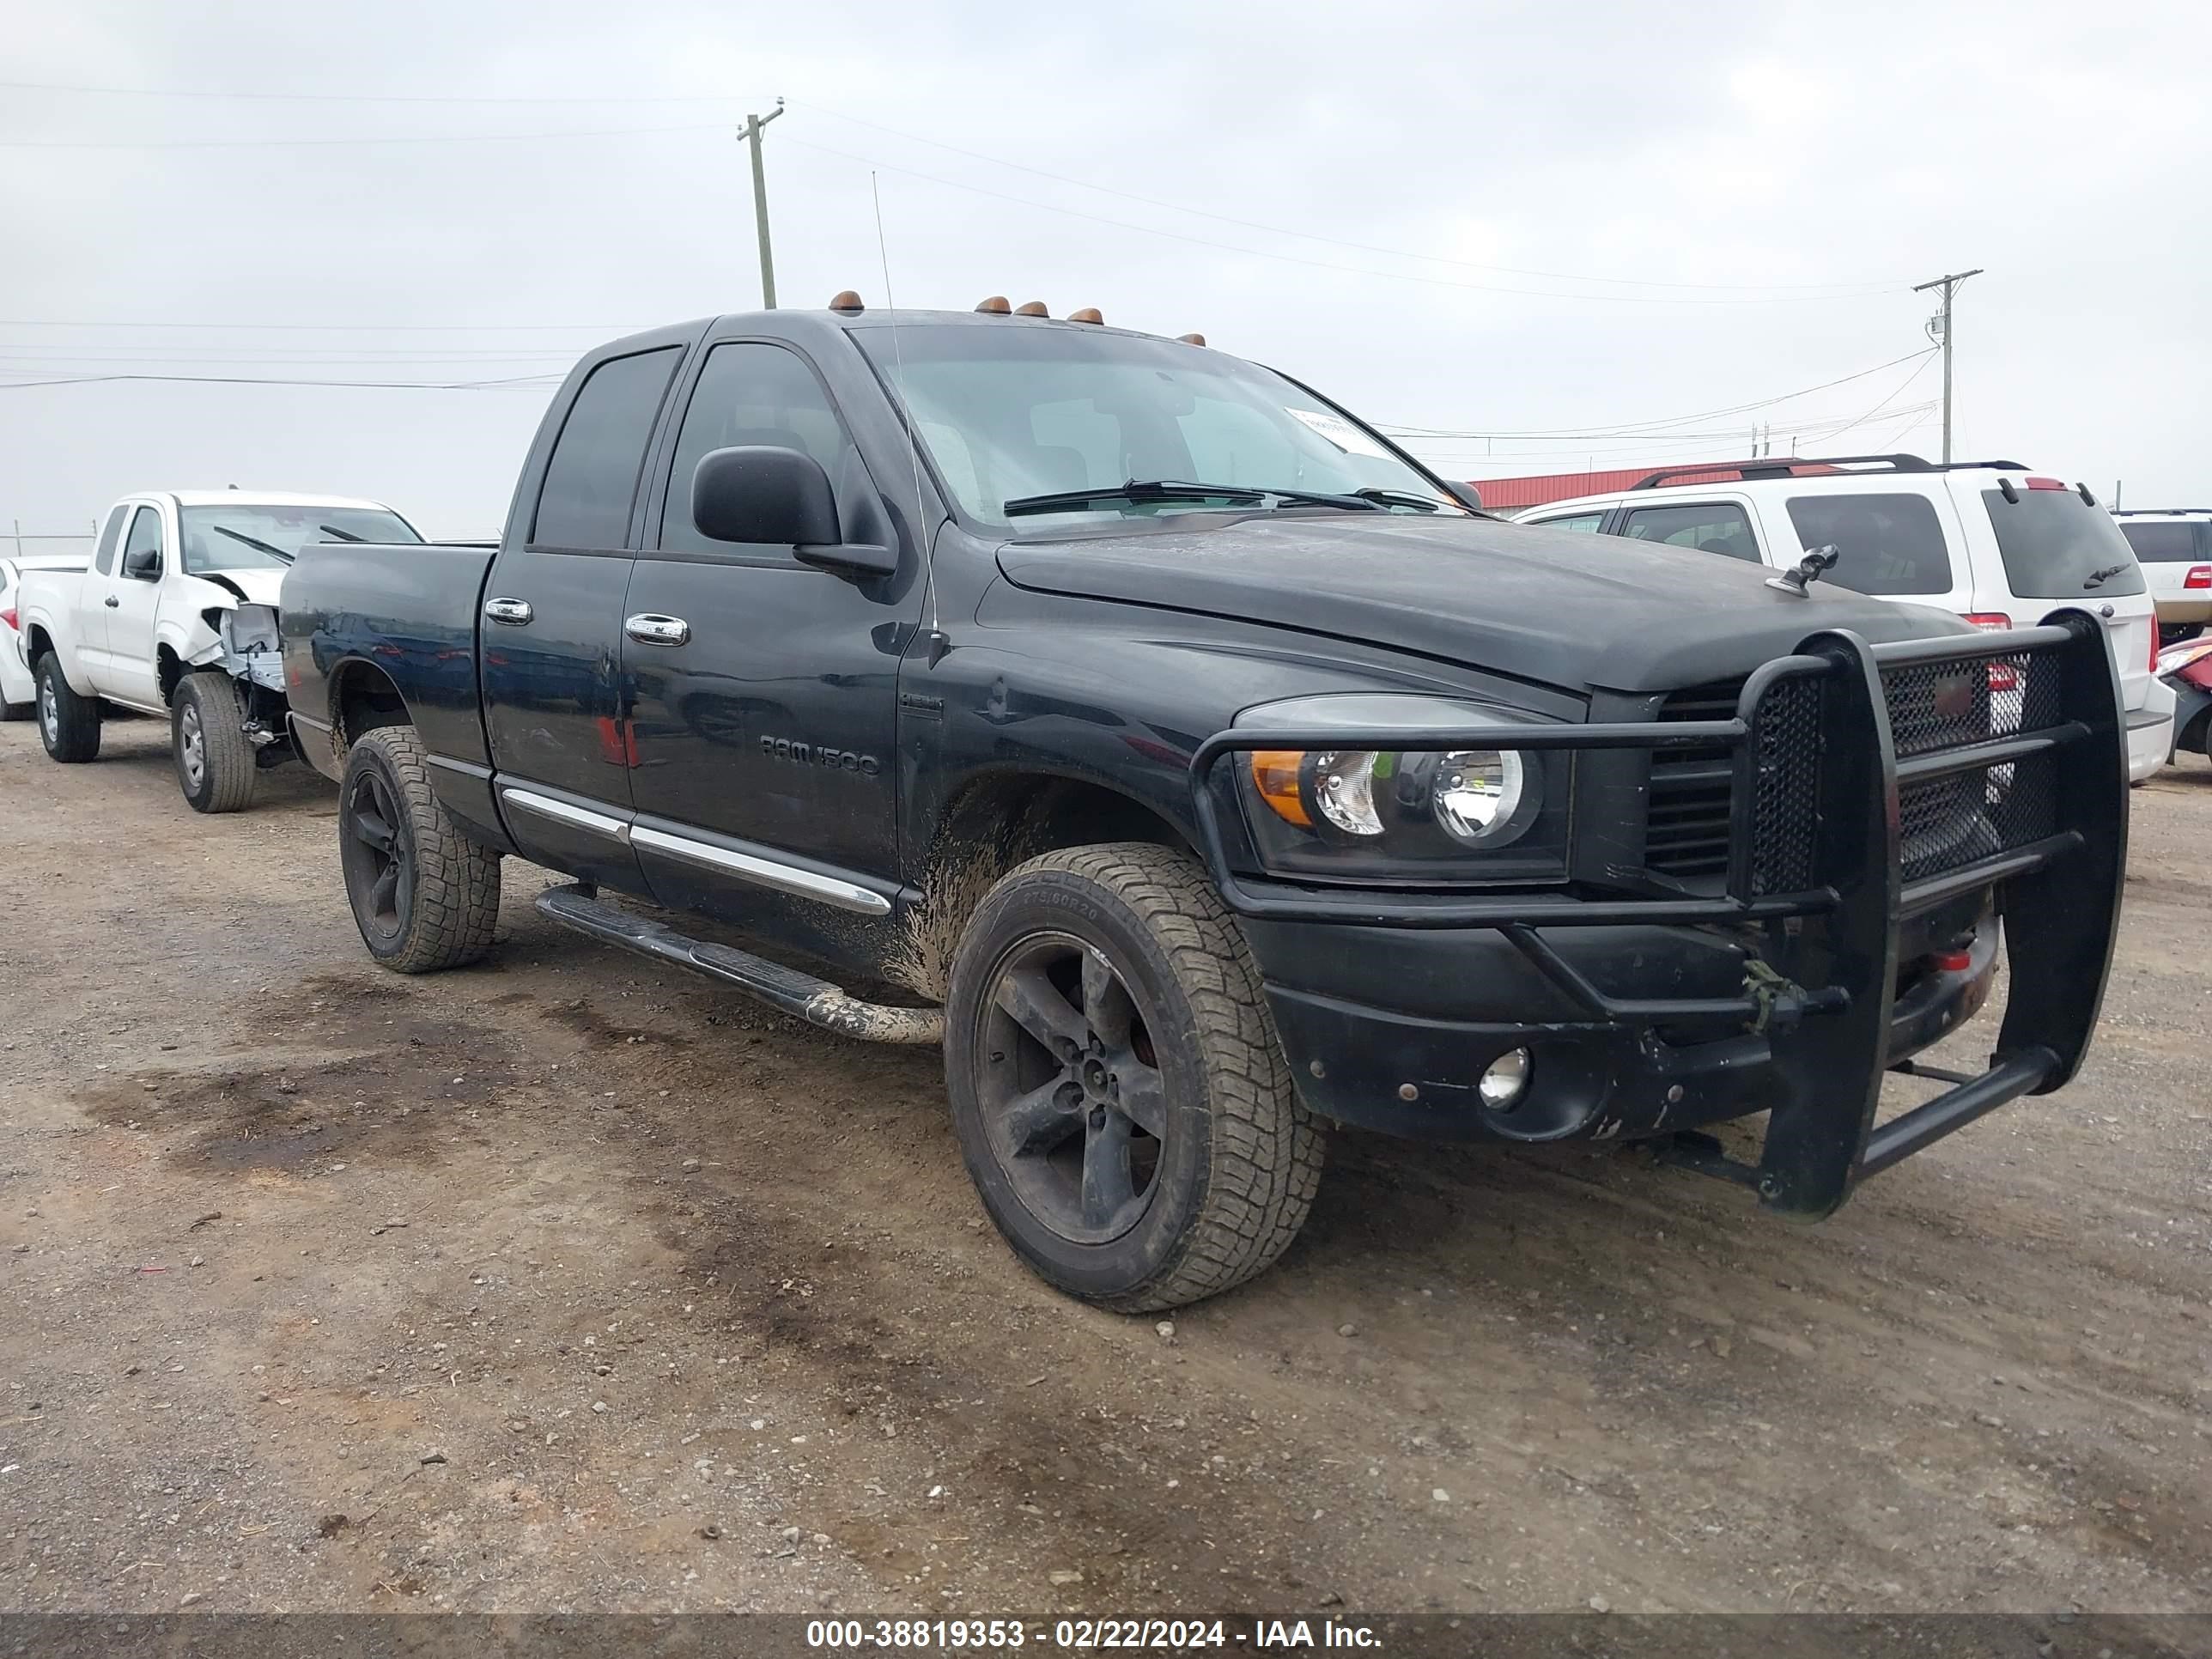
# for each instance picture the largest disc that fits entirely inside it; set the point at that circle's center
(1506, 1079)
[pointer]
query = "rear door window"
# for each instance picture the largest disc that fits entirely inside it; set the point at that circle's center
(111, 532)
(1709, 527)
(2174, 542)
(591, 479)
(2056, 546)
(1884, 544)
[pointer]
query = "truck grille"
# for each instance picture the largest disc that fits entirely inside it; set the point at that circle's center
(1944, 822)
(1685, 833)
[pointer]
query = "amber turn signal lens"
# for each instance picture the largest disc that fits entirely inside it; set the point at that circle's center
(1275, 775)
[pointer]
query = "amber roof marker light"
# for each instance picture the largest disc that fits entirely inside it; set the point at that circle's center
(1192, 339)
(1088, 315)
(996, 306)
(847, 301)
(1032, 309)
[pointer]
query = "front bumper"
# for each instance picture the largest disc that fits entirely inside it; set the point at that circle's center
(1875, 831)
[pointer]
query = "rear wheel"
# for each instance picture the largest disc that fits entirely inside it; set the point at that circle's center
(69, 725)
(207, 739)
(1122, 1100)
(425, 897)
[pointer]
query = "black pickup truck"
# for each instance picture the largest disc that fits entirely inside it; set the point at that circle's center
(1201, 769)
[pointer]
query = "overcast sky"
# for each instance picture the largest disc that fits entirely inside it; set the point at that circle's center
(1489, 218)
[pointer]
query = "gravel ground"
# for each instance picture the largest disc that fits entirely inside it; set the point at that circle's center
(563, 1283)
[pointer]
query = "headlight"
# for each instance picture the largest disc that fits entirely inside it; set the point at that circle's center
(1478, 793)
(1478, 796)
(1461, 815)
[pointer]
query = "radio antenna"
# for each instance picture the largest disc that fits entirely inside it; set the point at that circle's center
(913, 440)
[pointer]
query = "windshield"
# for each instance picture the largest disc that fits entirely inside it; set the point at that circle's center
(2056, 546)
(1020, 413)
(257, 535)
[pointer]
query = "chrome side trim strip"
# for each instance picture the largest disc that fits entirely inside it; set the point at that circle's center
(763, 872)
(560, 812)
(311, 722)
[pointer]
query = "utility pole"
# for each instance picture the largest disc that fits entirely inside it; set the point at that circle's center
(752, 136)
(1939, 326)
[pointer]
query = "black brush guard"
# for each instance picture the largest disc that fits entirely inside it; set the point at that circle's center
(1831, 851)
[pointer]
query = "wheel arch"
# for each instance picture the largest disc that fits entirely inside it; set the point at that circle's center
(363, 697)
(992, 822)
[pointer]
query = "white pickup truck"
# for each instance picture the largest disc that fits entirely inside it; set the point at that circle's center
(177, 618)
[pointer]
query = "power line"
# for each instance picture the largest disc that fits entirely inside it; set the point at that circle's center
(314, 143)
(1818, 289)
(1622, 428)
(1293, 258)
(541, 380)
(1338, 241)
(338, 328)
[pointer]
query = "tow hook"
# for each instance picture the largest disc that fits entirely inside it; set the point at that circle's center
(1782, 1002)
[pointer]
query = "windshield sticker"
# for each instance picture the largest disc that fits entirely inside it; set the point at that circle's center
(1340, 432)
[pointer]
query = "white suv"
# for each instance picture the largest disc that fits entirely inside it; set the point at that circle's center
(2174, 547)
(1986, 540)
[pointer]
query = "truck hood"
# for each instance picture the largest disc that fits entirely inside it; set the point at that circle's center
(1561, 608)
(259, 586)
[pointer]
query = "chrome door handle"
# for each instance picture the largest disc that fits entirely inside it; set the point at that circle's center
(515, 613)
(651, 629)
(112, 603)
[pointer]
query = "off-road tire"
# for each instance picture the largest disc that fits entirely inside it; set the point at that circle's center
(69, 725)
(1240, 1159)
(445, 894)
(208, 705)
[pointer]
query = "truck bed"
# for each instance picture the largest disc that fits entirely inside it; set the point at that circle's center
(409, 608)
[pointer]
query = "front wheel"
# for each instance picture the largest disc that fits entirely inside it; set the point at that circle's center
(69, 725)
(1121, 1098)
(423, 895)
(207, 739)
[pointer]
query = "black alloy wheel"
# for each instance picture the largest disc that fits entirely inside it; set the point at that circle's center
(378, 858)
(1071, 1088)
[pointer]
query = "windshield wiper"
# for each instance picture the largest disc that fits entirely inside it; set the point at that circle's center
(1171, 489)
(2096, 578)
(253, 542)
(1398, 498)
(342, 535)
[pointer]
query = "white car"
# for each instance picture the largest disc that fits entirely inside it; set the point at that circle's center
(1986, 540)
(2174, 547)
(16, 692)
(177, 618)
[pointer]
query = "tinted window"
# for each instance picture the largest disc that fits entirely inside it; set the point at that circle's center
(111, 532)
(2056, 546)
(1708, 526)
(748, 394)
(1589, 521)
(145, 537)
(592, 478)
(1884, 544)
(2163, 543)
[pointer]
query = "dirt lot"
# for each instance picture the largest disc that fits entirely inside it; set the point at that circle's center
(565, 1283)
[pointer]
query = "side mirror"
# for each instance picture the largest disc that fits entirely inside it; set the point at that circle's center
(781, 498)
(144, 565)
(1466, 495)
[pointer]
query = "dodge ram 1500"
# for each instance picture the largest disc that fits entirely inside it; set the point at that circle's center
(1207, 771)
